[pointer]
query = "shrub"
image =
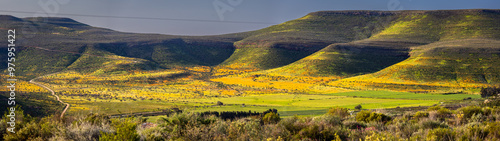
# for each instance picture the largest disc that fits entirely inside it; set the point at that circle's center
(322, 132)
(421, 114)
(358, 107)
(368, 116)
(441, 134)
(432, 124)
(84, 130)
(338, 111)
(328, 119)
(354, 125)
(271, 118)
(381, 136)
(489, 91)
(151, 134)
(493, 129)
(439, 113)
(292, 124)
(470, 111)
(404, 129)
(125, 131)
(434, 108)
(474, 132)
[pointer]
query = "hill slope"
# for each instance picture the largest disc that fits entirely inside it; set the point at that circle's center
(392, 43)
(47, 45)
(457, 64)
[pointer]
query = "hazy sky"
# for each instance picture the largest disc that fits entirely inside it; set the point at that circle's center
(208, 17)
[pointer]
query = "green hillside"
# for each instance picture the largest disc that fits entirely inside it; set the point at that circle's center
(288, 42)
(47, 45)
(392, 44)
(458, 64)
(349, 59)
(326, 43)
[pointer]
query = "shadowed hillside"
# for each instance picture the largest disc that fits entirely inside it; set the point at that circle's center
(458, 64)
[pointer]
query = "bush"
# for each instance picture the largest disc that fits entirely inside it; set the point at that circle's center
(470, 111)
(432, 124)
(368, 116)
(358, 107)
(489, 91)
(271, 118)
(354, 125)
(151, 134)
(434, 108)
(338, 111)
(421, 114)
(439, 113)
(381, 136)
(441, 134)
(404, 128)
(474, 132)
(125, 130)
(328, 119)
(292, 124)
(493, 129)
(322, 132)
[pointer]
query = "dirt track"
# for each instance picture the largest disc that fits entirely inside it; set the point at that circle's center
(54, 94)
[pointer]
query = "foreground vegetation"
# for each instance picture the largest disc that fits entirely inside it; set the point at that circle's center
(397, 63)
(436, 123)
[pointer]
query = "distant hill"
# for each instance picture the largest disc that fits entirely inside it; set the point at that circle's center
(345, 44)
(446, 64)
(47, 45)
(394, 42)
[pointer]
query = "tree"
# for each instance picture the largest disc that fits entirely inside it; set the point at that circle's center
(338, 111)
(271, 118)
(489, 91)
(125, 131)
(358, 107)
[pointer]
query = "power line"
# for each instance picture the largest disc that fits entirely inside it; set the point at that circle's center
(146, 18)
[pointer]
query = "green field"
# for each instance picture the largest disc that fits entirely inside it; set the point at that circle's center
(405, 95)
(287, 104)
(302, 105)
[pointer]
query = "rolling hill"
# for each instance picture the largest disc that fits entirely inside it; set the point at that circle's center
(354, 45)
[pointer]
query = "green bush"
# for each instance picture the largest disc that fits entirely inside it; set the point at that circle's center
(322, 132)
(474, 132)
(381, 136)
(404, 128)
(493, 128)
(354, 125)
(368, 116)
(469, 111)
(358, 107)
(338, 111)
(292, 124)
(434, 108)
(439, 113)
(271, 118)
(125, 130)
(432, 124)
(421, 114)
(441, 134)
(328, 119)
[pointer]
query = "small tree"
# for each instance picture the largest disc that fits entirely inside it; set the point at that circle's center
(271, 118)
(489, 91)
(219, 103)
(125, 131)
(358, 107)
(338, 111)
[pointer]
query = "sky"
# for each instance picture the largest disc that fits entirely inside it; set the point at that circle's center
(209, 17)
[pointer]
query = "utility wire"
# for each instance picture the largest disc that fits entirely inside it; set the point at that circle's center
(146, 18)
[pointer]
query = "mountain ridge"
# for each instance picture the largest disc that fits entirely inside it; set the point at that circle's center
(324, 43)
